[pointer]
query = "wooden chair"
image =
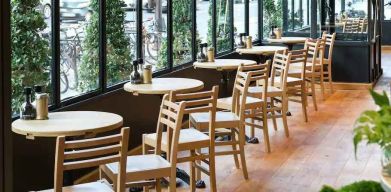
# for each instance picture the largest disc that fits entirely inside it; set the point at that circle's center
(247, 107)
(86, 153)
(327, 62)
(276, 90)
(191, 139)
(146, 170)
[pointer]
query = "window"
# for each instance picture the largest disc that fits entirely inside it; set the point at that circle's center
(204, 22)
(30, 65)
(182, 31)
(79, 47)
(253, 18)
(387, 10)
(239, 18)
(223, 26)
(298, 16)
(351, 20)
(272, 15)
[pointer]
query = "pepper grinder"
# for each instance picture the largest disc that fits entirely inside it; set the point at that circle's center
(241, 41)
(135, 77)
(201, 56)
(272, 34)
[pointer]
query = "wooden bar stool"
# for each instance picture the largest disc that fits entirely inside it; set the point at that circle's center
(329, 40)
(276, 89)
(247, 107)
(87, 153)
(191, 139)
(146, 170)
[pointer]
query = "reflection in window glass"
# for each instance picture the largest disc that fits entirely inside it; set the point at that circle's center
(182, 31)
(351, 16)
(272, 15)
(155, 33)
(253, 19)
(387, 10)
(204, 22)
(79, 47)
(30, 25)
(298, 16)
(121, 38)
(239, 18)
(223, 26)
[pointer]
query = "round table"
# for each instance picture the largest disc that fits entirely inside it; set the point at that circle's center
(261, 50)
(385, 183)
(69, 123)
(161, 86)
(224, 66)
(289, 41)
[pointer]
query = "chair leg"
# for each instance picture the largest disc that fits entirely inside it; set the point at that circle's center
(284, 111)
(158, 185)
(212, 169)
(265, 130)
(322, 86)
(192, 172)
(242, 155)
(197, 171)
(146, 188)
(330, 78)
(273, 113)
(233, 138)
(313, 93)
(252, 128)
(172, 184)
(304, 102)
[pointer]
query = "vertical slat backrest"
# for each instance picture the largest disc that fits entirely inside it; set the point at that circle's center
(300, 56)
(315, 53)
(86, 153)
(258, 75)
(280, 68)
(329, 40)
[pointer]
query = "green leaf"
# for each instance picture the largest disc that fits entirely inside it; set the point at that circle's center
(380, 100)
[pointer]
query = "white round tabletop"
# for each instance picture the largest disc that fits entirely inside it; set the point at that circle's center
(261, 50)
(288, 40)
(386, 183)
(68, 123)
(160, 86)
(224, 64)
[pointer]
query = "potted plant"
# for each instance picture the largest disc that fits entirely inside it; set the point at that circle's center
(374, 127)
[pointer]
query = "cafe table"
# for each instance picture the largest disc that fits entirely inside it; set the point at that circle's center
(224, 66)
(261, 50)
(161, 86)
(288, 41)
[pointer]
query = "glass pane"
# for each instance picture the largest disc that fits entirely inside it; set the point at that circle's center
(298, 16)
(182, 31)
(204, 22)
(79, 47)
(387, 10)
(351, 20)
(223, 24)
(30, 25)
(272, 15)
(238, 18)
(155, 33)
(121, 38)
(253, 20)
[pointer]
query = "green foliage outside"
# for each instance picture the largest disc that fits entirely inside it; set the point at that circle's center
(272, 15)
(119, 55)
(181, 26)
(223, 23)
(30, 63)
(362, 186)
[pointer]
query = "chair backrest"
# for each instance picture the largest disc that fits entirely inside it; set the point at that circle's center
(280, 69)
(170, 118)
(258, 76)
(300, 56)
(329, 41)
(245, 76)
(315, 53)
(85, 153)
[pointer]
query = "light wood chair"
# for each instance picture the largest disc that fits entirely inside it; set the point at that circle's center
(247, 107)
(147, 170)
(276, 90)
(87, 153)
(193, 140)
(329, 40)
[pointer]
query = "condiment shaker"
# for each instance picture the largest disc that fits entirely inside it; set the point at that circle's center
(27, 110)
(135, 77)
(211, 54)
(41, 103)
(147, 74)
(249, 42)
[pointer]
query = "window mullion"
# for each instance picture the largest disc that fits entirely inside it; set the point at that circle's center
(55, 43)
(102, 45)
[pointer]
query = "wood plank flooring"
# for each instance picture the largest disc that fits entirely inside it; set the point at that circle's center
(317, 153)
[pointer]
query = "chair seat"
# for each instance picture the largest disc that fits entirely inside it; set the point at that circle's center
(98, 186)
(226, 103)
(223, 120)
(188, 139)
(272, 91)
(141, 167)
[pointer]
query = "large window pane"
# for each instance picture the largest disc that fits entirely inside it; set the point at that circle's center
(79, 47)
(182, 31)
(155, 33)
(224, 26)
(239, 18)
(121, 38)
(272, 15)
(204, 22)
(298, 16)
(253, 20)
(30, 38)
(387, 10)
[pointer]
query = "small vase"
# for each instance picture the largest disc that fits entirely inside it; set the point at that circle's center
(386, 162)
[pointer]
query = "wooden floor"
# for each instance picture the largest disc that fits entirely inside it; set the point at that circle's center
(317, 153)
